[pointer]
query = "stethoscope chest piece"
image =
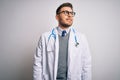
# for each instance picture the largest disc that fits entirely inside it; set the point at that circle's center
(77, 44)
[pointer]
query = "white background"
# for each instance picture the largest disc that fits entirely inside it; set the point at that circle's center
(22, 22)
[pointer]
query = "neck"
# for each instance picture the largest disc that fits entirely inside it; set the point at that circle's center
(64, 28)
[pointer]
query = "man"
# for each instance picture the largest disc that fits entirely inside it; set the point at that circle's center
(62, 53)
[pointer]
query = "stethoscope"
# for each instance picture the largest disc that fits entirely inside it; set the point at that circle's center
(54, 36)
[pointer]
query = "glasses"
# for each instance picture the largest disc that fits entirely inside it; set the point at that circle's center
(67, 13)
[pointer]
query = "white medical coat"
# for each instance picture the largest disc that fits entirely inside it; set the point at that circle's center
(47, 52)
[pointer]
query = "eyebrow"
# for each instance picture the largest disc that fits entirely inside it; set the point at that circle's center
(67, 10)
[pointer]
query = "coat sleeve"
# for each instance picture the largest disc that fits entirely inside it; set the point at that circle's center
(37, 66)
(86, 60)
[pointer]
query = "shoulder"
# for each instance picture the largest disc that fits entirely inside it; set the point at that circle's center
(44, 36)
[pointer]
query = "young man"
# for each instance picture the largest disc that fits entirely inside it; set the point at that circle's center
(62, 53)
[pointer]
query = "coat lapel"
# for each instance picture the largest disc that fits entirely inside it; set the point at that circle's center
(56, 54)
(70, 46)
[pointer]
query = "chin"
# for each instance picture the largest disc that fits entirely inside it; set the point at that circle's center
(67, 25)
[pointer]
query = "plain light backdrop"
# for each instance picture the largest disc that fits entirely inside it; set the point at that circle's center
(23, 21)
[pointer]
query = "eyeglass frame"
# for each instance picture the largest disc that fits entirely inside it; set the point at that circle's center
(67, 13)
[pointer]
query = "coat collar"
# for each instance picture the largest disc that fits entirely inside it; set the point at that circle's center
(60, 30)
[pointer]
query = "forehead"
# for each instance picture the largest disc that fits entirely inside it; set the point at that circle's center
(66, 9)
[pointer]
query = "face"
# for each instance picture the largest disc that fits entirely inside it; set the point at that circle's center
(64, 20)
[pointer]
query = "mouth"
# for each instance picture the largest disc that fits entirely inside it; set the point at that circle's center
(69, 20)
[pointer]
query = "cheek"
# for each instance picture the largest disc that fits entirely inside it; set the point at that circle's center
(62, 19)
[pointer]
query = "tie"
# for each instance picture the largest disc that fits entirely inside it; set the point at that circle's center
(63, 33)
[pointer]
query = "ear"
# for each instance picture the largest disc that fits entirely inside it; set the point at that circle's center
(57, 17)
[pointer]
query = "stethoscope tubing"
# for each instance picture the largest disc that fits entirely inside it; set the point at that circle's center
(54, 35)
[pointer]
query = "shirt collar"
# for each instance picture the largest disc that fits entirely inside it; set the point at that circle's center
(60, 30)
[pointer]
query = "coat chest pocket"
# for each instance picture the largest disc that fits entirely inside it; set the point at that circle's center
(50, 46)
(46, 77)
(74, 77)
(50, 54)
(50, 49)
